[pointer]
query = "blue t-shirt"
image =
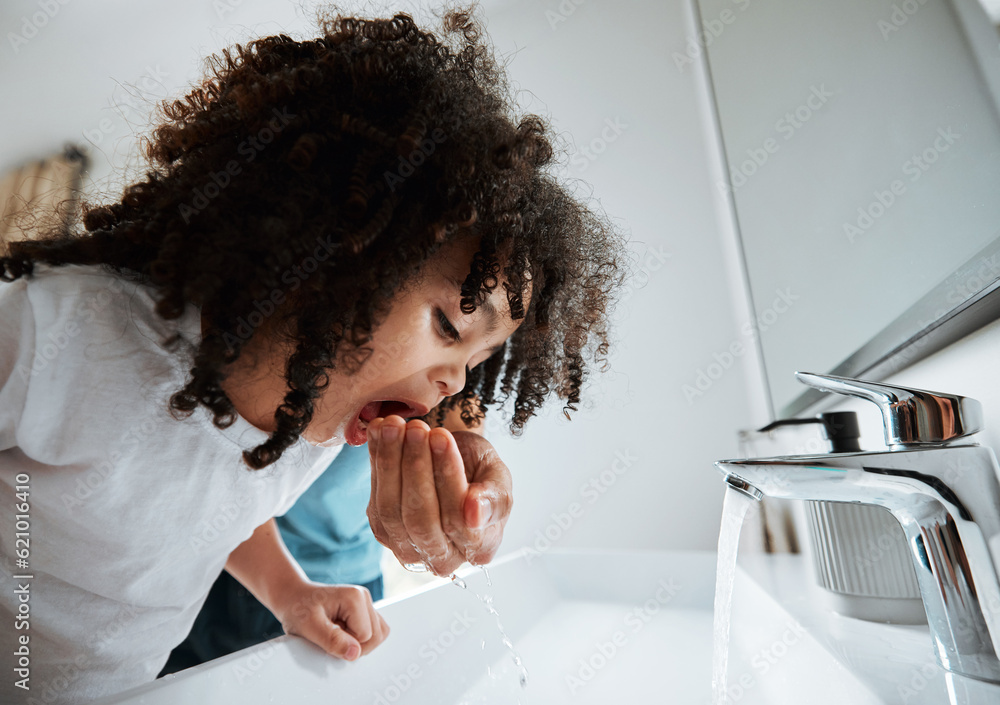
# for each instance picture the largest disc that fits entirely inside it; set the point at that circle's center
(327, 529)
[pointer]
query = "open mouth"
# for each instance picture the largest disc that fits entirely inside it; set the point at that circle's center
(389, 407)
(357, 430)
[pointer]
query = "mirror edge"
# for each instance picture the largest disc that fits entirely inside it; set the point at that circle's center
(930, 325)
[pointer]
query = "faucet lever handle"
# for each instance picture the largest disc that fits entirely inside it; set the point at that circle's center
(910, 416)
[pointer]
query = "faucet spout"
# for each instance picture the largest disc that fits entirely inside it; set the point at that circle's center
(741, 485)
(946, 500)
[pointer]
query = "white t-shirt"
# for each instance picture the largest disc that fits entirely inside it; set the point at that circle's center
(132, 513)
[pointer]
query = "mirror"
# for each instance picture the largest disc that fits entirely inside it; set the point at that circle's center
(862, 140)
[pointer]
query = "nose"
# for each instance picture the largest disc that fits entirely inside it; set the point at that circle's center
(449, 378)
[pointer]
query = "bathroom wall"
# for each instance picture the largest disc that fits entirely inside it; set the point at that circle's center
(842, 121)
(634, 467)
(90, 73)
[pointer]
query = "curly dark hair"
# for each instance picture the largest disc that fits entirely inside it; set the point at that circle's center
(375, 144)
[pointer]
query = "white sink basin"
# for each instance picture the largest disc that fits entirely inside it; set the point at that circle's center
(591, 627)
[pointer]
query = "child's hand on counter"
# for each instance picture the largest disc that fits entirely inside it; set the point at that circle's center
(340, 619)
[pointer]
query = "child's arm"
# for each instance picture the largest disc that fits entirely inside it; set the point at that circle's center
(340, 619)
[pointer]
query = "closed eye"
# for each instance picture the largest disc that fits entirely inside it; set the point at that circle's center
(447, 330)
(490, 352)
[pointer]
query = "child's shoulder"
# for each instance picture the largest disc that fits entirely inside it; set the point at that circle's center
(71, 279)
(81, 297)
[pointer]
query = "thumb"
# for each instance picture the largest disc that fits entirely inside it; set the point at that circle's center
(332, 638)
(485, 505)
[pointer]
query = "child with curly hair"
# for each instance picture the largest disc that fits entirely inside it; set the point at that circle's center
(334, 238)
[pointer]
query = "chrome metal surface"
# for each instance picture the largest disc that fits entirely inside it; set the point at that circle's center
(744, 487)
(910, 416)
(945, 496)
(946, 499)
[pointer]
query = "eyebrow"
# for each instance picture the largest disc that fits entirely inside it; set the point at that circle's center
(492, 315)
(493, 319)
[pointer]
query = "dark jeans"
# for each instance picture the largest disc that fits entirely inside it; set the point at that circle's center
(230, 620)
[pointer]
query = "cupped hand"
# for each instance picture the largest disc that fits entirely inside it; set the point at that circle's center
(438, 498)
(340, 619)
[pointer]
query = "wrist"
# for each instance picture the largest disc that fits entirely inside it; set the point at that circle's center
(264, 566)
(283, 588)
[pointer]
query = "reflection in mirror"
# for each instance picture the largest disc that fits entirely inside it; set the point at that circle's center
(862, 139)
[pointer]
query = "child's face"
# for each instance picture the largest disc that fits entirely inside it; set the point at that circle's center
(420, 352)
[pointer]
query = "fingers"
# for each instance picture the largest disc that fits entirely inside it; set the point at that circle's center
(380, 629)
(374, 521)
(482, 544)
(437, 498)
(373, 429)
(342, 621)
(356, 614)
(386, 502)
(486, 508)
(487, 502)
(484, 466)
(420, 513)
(333, 639)
(353, 613)
(450, 483)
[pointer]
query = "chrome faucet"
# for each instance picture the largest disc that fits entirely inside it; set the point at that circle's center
(942, 489)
